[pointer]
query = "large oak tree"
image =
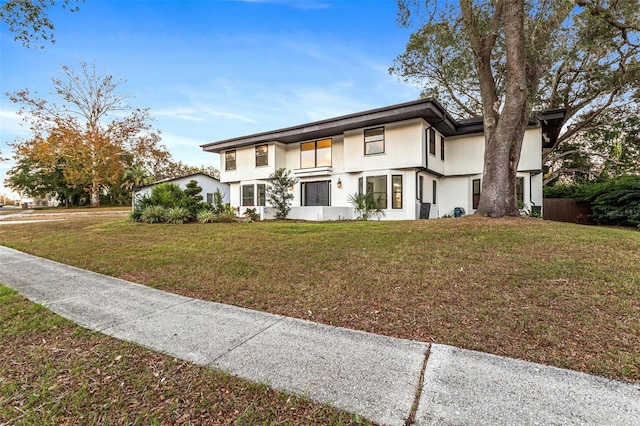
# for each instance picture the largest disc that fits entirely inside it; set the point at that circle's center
(503, 59)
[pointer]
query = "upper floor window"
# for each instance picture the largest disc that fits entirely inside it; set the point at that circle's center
(230, 160)
(432, 141)
(374, 141)
(442, 147)
(315, 154)
(262, 155)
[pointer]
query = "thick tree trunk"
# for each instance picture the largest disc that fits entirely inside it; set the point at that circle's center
(95, 195)
(503, 142)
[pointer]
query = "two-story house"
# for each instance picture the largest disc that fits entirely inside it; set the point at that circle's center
(414, 157)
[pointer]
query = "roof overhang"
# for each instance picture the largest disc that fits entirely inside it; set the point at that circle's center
(427, 109)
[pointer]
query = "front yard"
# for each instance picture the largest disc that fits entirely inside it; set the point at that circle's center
(554, 293)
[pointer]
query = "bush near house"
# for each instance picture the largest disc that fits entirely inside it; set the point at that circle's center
(168, 203)
(613, 202)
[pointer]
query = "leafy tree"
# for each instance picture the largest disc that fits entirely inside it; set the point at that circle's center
(278, 192)
(607, 149)
(167, 195)
(28, 19)
(502, 59)
(91, 128)
(192, 198)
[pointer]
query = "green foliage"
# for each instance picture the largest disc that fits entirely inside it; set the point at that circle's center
(278, 192)
(154, 214)
(29, 21)
(135, 215)
(228, 214)
(366, 206)
(177, 215)
(192, 200)
(207, 216)
(166, 195)
(251, 215)
(218, 203)
(615, 202)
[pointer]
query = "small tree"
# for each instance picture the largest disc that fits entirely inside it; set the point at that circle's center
(278, 192)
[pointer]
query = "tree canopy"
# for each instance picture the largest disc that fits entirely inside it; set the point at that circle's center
(89, 135)
(582, 56)
(28, 19)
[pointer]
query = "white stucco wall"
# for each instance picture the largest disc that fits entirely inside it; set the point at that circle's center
(403, 148)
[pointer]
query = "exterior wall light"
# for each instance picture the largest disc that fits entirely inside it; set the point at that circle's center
(339, 183)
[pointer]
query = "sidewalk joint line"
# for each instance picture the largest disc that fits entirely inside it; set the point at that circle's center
(414, 407)
(234, 347)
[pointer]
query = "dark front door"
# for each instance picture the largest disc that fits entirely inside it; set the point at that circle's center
(316, 193)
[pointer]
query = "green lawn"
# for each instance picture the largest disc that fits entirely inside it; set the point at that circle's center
(555, 293)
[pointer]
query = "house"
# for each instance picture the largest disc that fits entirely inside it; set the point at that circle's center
(208, 184)
(420, 161)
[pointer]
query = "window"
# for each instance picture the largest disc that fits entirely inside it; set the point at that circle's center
(315, 154)
(247, 195)
(374, 141)
(360, 183)
(230, 160)
(262, 194)
(432, 141)
(435, 192)
(520, 189)
(209, 198)
(442, 147)
(420, 187)
(262, 155)
(476, 193)
(377, 186)
(396, 191)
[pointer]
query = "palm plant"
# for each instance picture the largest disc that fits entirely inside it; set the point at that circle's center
(366, 206)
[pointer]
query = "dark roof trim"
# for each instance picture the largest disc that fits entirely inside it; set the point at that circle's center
(428, 109)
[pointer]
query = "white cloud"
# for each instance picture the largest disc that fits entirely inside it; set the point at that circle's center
(181, 113)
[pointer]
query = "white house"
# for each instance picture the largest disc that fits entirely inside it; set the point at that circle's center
(419, 160)
(208, 184)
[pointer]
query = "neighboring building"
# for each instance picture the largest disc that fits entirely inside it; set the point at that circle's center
(207, 183)
(419, 160)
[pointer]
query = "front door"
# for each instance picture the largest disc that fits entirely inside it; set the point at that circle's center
(316, 193)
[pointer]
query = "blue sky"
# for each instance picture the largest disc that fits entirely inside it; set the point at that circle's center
(211, 70)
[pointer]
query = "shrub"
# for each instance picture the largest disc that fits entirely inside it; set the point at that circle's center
(228, 214)
(153, 214)
(177, 215)
(206, 216)
(167, 195)
(251, 215)
(615, 202)
(135, 215)
(366, 206)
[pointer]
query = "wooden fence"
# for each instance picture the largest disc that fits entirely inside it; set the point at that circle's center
(566, 210)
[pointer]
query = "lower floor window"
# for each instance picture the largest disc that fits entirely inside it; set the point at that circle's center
(396, 188)
(254, 195)
(520, 189)
(247, 195)
(377, 187)
(476, 193)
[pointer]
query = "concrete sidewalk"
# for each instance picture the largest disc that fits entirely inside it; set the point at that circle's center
(374, 376)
